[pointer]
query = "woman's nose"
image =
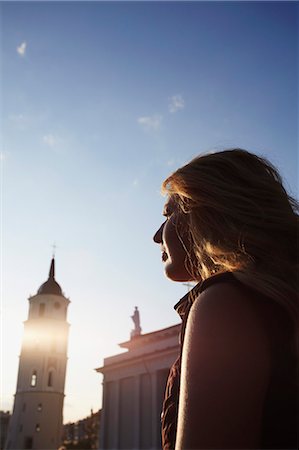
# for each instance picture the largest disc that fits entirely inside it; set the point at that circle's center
(158, 235)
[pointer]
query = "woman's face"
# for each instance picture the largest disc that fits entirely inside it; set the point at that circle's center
(173, 242)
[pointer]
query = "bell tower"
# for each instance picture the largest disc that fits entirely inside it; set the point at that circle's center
(36, 422)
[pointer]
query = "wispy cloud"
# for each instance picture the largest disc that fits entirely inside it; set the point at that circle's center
(170, 162)
(50, 140)
(20, 121)
(26, 120)
(21, 49)
(176, 102)
(16, 117)
(150, 123)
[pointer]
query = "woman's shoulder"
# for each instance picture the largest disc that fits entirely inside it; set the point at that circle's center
(226, 295)
(227, 305)
(226, 291)
(226, 364)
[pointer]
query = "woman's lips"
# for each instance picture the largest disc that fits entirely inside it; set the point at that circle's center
(164, 256)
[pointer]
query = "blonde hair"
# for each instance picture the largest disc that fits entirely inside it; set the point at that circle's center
(239, 219)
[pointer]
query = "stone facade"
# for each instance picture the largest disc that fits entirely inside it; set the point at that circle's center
(133, 390)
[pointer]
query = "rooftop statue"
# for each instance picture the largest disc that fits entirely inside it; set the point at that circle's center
(136, 319)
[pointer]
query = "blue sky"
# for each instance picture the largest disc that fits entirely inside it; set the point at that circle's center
(101, 101)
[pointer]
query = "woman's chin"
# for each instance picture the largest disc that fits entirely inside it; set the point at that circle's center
(174, 273)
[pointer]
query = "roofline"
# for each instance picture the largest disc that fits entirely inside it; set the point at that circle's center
(144, 337)
(133, 359)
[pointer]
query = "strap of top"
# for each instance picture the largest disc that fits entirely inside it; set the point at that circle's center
(183, 305)
(225, 276)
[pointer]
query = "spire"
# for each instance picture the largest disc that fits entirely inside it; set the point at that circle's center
(51, 286)
(52, 269)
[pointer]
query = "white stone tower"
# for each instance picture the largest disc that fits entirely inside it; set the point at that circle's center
(36, 421)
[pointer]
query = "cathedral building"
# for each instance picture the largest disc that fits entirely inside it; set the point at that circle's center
(36, 421)
(133, 389)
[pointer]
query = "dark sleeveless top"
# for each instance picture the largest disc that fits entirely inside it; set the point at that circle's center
(279, 422)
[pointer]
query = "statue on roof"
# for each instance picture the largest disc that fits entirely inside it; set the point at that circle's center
(136, 319)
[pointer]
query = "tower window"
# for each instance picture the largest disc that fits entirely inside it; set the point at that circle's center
(37, 427)
(39, 407)
(33, 379)
(24, 407)
(50, 378)
(21, 428)
(56, 305)
(41, 311)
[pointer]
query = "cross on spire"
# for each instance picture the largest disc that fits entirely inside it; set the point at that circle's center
(54, 246)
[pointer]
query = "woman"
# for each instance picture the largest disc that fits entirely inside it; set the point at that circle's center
(231, 227)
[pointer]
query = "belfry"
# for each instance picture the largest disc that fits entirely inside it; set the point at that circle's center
(36, 421)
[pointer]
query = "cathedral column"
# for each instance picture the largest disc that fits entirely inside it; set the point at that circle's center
(154, 382)
(137, 411)
(114, 427)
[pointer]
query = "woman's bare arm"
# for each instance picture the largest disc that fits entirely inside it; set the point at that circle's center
(225, 372)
